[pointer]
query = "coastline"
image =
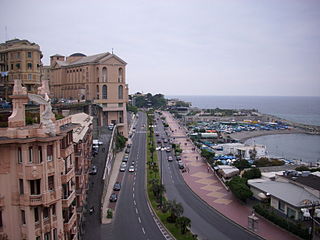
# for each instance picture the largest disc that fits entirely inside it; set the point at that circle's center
(244, 136)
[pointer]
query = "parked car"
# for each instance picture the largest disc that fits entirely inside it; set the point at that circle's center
(113, 197)
(127, 150)
(125, 159)
(178, 158)
(131, 168)
(117, 186)
(123, 164)
(93, 170)
(122, 168)
(181, 166)
(129, 145)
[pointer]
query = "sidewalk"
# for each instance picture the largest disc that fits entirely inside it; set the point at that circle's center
(207, 186)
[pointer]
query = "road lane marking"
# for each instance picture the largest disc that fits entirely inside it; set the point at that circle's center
(133, 189)
(139, 219)
(144, 232)
(133, 195)
(134, 202)
(137, 211)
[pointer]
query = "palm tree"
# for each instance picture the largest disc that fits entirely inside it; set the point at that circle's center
(184, 223)
(176, 210)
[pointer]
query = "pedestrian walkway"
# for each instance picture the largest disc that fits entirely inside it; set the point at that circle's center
(201, 179)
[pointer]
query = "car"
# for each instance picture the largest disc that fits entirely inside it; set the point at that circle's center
(125, 159)
(158, 148)
(117, 186)
(93, 170)
(131, 168)
(127, 150)
(168, 149)
(132, 163)
(165, 140)
(170, 159)
(129, 145)
(113, 197)
(123, 164)
(181, 166)
(110, 126)
(123, 169)
(178, 157)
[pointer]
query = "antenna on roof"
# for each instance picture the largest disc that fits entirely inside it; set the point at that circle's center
(112, 50)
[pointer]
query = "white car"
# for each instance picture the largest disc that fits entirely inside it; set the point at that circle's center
(170, 159)
(158, 148)
(131, 169)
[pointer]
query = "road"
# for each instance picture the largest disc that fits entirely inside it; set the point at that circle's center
(205, 221)
(133, 219)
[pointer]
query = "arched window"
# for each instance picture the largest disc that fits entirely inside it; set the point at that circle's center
(97, 74)
(120, 75)
(104, 74)
(97, 91)
(120, 92)
(104, 92)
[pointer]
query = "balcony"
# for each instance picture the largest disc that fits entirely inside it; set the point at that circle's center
(67, 177)
(67, 151)
(70, 223)
(66, 202)
(78, 153)
(35, 200)
(50, 197)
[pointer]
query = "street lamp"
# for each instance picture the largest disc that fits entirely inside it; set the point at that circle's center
(311, 213)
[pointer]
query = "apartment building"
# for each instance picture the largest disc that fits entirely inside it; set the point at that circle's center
(82, 139)
(99, 78)
(19, 59)
(39, 168)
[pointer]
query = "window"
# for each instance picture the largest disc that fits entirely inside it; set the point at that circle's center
(29, 76)
(19, 155)
(120, 75)
(291, 213)
(50, 152)
(97, 91)
(47, 236)
(281, 206)
(18, 55)
(120, 92)
(104, 92)
(35, 187)
(40, 154)
(55, 234)
(23, 217)
(104, 74)
(29, 54)
(36, 214)
(11, 66)
(120, 104)
(38, 238)
(18, 65)
(51, 183)
(30, 155)
(21, 186)
(53, 209)
(29, 65)
(1, 223)
(45, 212)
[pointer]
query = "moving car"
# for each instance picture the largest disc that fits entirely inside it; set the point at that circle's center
(170, 159)
(93, 170)
(131, 168)
(117, 186)
(168, 149)
(113, 197)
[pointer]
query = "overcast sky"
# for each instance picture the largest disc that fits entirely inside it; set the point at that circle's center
(240, 47)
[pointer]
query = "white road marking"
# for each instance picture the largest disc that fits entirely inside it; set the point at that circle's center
(133, 189)
(137, 211)
(134, 202)
(144, 232)
(133, 195)
(139, 219)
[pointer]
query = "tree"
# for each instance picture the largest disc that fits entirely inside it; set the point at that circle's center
(176, 210)
(241, 164)
(207, 155)
(183, 222)
(157, 188)
(239, 188)
(252, 173)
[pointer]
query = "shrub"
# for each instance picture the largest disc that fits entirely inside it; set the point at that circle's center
(109, 213)
(239, 188)
(252, 173)
(241, 164)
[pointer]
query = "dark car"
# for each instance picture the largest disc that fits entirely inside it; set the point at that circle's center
(127, 150)
(117, 186)
(181, 166)
(93, 170)
(113, 197)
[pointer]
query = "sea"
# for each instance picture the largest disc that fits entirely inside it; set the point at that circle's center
(305, 110)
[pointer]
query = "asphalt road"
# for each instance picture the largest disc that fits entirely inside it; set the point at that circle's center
(92, 221)
(205, 221)
(133, 219)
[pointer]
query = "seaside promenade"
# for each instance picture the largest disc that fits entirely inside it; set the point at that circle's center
(202, 180)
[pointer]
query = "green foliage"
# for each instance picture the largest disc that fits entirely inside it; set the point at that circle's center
(58, 116)
(241, 164)
(239, 188)
(140, 101)
(175, 209)
(208, 156)
(109, 213)
(120, 142)
(271, 215)
(252, 173)
(182, 104)
(266, 162)
(155, 101)
(183, 222)
(131, 108)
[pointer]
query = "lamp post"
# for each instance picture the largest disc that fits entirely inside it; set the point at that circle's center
(311, 213)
